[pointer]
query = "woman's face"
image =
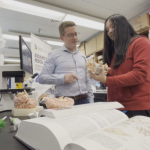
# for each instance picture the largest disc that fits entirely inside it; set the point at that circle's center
(110, 30)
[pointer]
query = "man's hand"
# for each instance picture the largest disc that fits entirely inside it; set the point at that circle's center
(101, 77)
(69, 78)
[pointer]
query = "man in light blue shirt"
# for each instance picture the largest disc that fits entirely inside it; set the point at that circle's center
(66, 68)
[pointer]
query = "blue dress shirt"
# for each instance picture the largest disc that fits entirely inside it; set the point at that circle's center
(62, 61)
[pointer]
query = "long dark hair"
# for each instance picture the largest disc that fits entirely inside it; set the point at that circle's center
(123, 32)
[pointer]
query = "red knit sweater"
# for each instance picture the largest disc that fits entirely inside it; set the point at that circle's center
(129, 84)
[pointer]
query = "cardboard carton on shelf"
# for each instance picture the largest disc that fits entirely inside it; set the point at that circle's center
(142, 23)
(90, 47)
(82, 48)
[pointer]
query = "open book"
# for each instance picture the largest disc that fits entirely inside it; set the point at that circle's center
(100, 130)
(79, 109)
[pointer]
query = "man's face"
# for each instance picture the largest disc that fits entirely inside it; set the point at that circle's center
(70, 37)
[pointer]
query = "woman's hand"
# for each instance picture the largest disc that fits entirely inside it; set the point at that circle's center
(101, 77)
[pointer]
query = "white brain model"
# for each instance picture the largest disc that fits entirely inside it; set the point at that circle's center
(22, 101)
(96, 68)
(58, 102)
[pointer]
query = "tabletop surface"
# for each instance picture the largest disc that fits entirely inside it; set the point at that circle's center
(7, 141)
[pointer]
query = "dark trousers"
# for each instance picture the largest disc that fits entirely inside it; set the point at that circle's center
(138, 113)
(81, 101)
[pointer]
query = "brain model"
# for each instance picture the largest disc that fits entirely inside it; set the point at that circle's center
(96, 68)
(58, 102)
(22, 101)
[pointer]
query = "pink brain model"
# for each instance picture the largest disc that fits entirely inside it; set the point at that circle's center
(22, 101)
(58, 102)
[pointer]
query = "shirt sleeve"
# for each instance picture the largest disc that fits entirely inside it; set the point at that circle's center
(47, 75)
(141, 66)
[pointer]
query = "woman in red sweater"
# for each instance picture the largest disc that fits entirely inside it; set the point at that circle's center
(128, 56)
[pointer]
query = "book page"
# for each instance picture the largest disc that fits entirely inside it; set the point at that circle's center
(133, 134)
(59, 132)
(75, 127)
(79, 109)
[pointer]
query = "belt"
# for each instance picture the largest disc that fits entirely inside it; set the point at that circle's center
(78, 96)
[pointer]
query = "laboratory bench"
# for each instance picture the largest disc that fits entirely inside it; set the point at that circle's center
(7, 141)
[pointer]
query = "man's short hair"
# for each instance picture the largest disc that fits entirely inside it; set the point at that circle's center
(64, 25)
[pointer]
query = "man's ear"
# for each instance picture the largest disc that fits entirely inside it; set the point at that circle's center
(61, 37)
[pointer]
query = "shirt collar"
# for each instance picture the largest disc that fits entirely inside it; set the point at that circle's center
(65, 49)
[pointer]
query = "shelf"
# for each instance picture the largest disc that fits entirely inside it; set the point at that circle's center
(96, 54)
(145, 32)
(89, 54)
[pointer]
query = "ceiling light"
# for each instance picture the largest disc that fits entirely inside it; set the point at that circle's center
(85, 22)
(26, 39)
(55, 43)
(11, 61)
(31, 9)
(15, 37)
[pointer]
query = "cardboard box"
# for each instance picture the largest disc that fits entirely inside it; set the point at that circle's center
(100, 42)
(90, 47)
(142, 23)
(81, 48)
(98, 53)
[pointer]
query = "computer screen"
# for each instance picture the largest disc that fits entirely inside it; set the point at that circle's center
(25, 56)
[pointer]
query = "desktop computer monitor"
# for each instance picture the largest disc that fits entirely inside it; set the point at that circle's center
(25, 56)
